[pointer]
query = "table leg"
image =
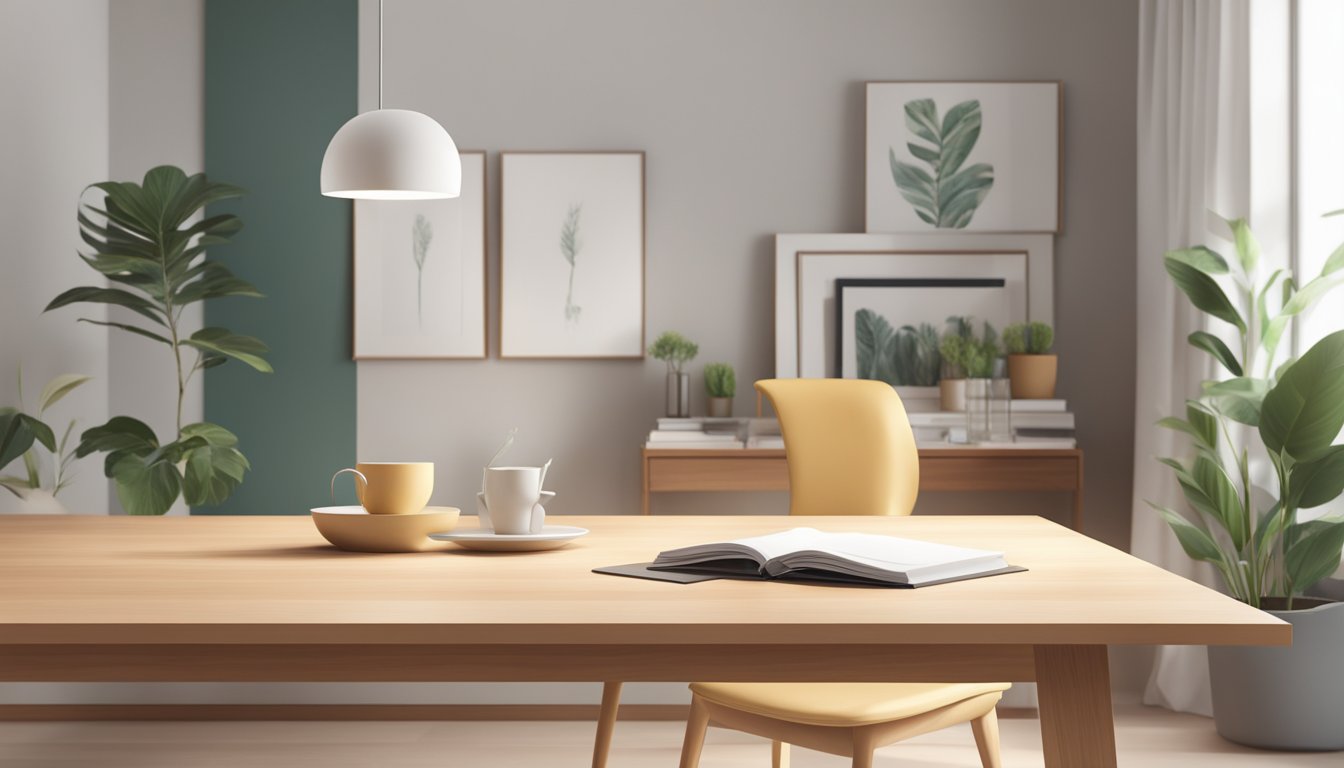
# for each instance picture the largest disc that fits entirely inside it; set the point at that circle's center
(1075, 706)
(644, 462)
(1078, 498)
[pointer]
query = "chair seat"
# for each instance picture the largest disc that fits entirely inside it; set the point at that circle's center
(841, 705)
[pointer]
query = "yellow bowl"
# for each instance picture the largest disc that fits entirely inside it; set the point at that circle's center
(355, 530)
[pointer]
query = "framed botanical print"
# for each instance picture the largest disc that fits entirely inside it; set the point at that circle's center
(420, 274)
(807, 267)
(973, 157)
(572, 255)
(888, 328)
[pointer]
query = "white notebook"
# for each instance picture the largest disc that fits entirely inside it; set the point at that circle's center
(809, 554)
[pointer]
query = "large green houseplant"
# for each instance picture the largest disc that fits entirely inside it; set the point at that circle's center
(146, 241)
(1289, 411)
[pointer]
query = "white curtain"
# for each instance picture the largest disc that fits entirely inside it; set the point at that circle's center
(1193, 158)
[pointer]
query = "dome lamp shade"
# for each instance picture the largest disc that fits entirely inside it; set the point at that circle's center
(391, 154)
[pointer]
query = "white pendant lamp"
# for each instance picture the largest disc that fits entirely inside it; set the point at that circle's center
(391, 154)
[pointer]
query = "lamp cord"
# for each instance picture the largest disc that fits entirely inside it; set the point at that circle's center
(380, 54)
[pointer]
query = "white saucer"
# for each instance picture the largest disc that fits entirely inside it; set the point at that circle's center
(551, 537)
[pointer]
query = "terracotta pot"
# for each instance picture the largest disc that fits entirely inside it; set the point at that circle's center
(1033, 376)
(952, 394)
(720, 407)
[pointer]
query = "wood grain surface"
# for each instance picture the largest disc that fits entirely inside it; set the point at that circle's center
(83, 580)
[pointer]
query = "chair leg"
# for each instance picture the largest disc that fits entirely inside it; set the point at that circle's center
(606, 723)
(696, 725)
(779, 754)
(863, 750)
(986, 730)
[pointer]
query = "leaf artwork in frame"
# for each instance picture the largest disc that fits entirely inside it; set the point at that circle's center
(422, 233)
(905, 357)
(569, 248)
(947, 194)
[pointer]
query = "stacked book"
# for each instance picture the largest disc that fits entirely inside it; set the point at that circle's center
(700, 433)
(1035, 424)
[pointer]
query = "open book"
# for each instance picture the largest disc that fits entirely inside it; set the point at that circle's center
(809, 554)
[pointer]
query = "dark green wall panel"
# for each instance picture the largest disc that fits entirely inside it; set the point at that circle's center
(280, 78)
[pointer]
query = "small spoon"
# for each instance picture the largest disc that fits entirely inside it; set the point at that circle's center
(508, 441)
(541, 482)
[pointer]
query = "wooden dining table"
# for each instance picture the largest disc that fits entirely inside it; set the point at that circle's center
(205, 599)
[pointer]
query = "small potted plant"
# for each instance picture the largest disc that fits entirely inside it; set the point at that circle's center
(22, 434)
(721, 384)
(963, 357)
(1031, 367)
(676, 350)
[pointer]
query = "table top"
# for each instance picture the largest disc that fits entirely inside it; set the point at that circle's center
(106, 580)
(950, 451)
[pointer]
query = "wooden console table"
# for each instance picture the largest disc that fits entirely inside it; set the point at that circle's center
(940, 469)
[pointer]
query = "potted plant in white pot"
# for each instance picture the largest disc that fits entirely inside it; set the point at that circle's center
(22, 435)
(721, 384)
(1032, 370)
(1287, 414)
(676, 350)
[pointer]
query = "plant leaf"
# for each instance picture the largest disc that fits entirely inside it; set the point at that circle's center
(1309, 294)
(1314, 551)
(16, 436)
(58, 388)
(215, 281)
(213, 434)
(872, 334)
(120, 433)
(1215, 346)
(146, 488)
(135, 303)
(1204, 259)
(1335, 262)
(212, 473)
(1196, 543)
(224, 342)
(1317, 481)
(1203, 292)
(1248, 248)
(921, 117)
(133, 329)
(1304, 412)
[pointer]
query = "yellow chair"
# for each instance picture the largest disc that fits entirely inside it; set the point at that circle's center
(851, 452)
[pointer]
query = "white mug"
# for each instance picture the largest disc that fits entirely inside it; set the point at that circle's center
(512, 502)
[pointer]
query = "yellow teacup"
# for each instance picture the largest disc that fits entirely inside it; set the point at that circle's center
(391, 487)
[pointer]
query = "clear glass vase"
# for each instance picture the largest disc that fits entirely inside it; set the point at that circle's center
(988, 418)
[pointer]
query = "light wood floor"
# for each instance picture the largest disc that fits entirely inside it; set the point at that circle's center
(1148, 738)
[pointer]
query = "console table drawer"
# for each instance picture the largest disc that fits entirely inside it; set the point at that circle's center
(714, 474)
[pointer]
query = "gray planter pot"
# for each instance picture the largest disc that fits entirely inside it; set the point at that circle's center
(1285, 698)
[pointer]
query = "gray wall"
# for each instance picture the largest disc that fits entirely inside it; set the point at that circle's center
(156, 68)
(752, 116)
(53, 142)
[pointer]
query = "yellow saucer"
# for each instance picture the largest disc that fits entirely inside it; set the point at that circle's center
(355, 530)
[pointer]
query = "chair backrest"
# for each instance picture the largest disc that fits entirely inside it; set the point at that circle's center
(849, 446)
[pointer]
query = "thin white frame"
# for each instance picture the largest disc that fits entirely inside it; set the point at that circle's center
(467, 184)
(643, 252)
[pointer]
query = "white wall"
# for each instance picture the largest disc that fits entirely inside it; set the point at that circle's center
(157, 117)
(53, 142)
